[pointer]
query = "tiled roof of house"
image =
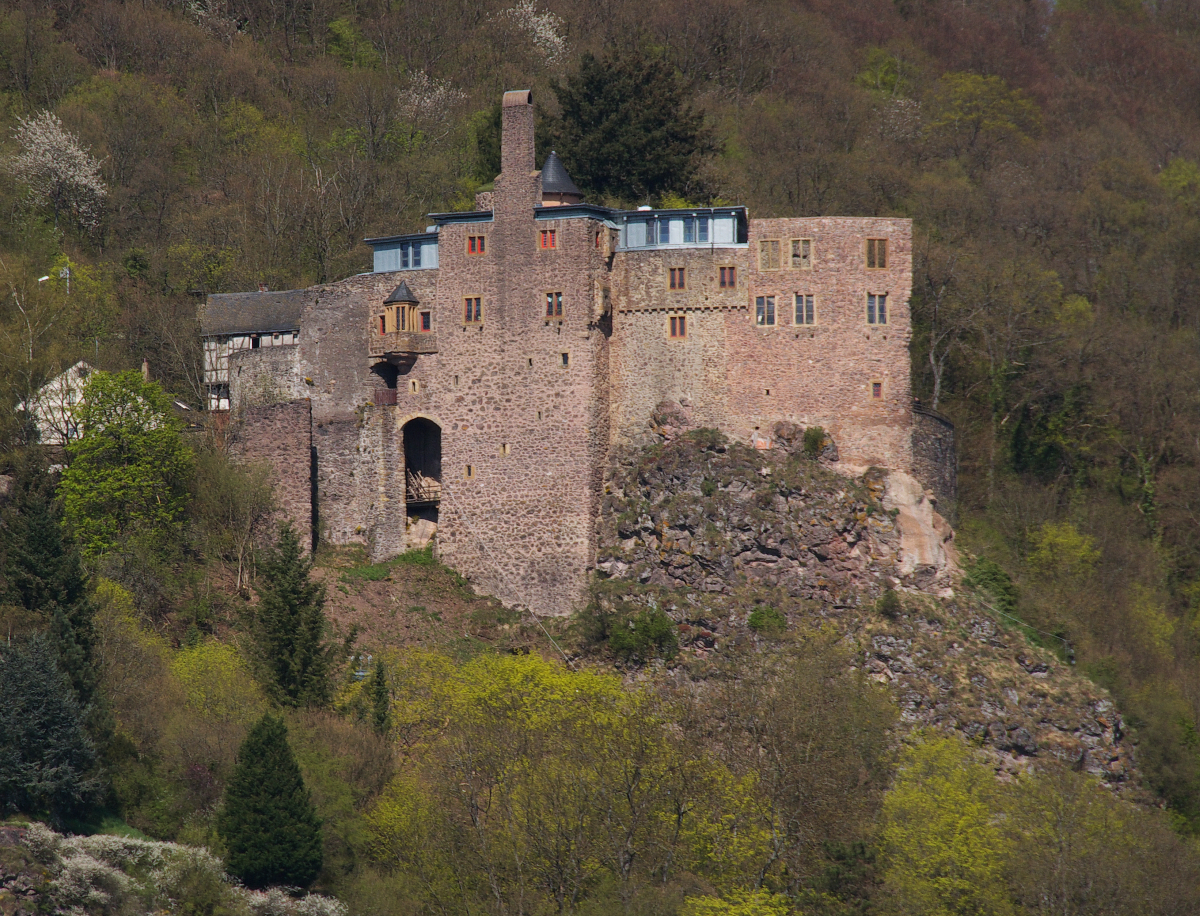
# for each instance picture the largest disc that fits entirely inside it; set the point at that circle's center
(253, 313)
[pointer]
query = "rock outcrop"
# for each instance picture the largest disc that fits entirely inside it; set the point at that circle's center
(707, 530)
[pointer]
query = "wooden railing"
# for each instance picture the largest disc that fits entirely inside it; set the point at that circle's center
(422, 489)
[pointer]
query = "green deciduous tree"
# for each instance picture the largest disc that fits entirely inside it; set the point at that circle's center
(289, 628)
(944, 843)
(628, 131)
(130, 468)
(47, 762)
(269, 824)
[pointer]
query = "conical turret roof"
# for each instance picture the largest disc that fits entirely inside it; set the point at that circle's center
(401, 294)
(555, 179)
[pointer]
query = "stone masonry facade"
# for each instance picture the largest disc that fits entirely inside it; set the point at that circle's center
(532, 340)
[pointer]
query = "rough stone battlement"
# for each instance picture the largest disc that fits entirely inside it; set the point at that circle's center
(479, 378)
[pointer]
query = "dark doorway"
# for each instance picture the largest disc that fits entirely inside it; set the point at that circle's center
(423, 467)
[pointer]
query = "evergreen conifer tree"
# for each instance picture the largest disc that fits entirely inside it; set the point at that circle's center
(627, 130)
(41, 571)
(269, 824)
(381, 699)
(47, 761)
(289, 632)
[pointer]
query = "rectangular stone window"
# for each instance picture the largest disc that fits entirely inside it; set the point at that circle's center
(678, 278)
(554, 305)
(566, 360)
(426, 321)
(728, 278)
(472, 310)
(802, 253)
(476, 244)
(678, 326)
(383, 324)
(470, 472)
(764, 311)
(877, 390)
(877, 308)
(877, 254)
(768, 254)
(549, 238)
(805, 312)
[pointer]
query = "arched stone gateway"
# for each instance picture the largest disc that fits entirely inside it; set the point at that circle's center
(423, 479)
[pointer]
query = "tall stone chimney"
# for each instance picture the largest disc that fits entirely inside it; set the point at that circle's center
(519, 187)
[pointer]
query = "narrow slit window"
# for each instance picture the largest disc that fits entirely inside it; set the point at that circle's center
(414, 386)
(802, 253)
(877, 254)
(764, 311)
(877, 308)
(549, 238)
(504, 450)
(470, 471)
(768, 254)
(805, 314)
(472, 310)
(678, 326)
(554, 305)
(678, 278)
(728, 278)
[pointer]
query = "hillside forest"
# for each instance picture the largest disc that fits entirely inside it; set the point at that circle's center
(169, 674)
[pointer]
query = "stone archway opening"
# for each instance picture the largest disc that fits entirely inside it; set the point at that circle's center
(422, 478)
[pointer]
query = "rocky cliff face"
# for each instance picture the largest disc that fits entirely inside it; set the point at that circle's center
(707, 530)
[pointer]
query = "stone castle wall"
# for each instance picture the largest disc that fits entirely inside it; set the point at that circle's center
(742, 377)
(934, 460)
(280, 436)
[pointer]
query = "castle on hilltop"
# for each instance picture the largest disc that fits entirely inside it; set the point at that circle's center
(477, 380)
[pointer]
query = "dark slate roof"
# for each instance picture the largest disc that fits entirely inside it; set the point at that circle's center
(254, 313)
(555, 179)
(401, 294)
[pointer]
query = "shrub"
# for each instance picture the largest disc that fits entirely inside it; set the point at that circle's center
(648, 634)
(986, 575)
(814, 441)
(889, 604)
(767, 620)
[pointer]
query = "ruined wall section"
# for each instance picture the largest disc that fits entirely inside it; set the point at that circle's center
(935, 462)
(265, 376)
(280, 436)
(359, 455)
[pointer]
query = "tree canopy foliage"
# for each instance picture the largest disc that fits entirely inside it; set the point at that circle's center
(129, 468)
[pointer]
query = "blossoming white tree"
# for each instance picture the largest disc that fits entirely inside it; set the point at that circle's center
(58, 171)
